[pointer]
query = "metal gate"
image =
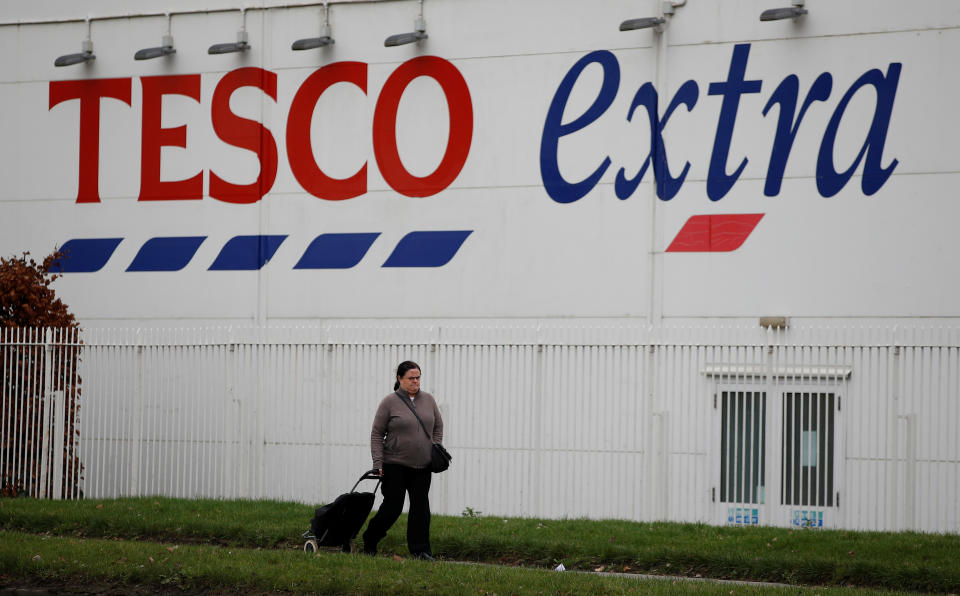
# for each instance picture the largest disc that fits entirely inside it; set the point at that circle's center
(39, 390)
(777, 457)
(808, 448)
(743, 450)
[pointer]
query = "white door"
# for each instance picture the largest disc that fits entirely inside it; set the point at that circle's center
(741, 490)
(809, 449)
(778, 450)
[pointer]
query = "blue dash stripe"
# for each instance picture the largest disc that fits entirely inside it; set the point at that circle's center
(427, 249)
(85, 255)
(246, 253)
(166, 253)
(336, 251)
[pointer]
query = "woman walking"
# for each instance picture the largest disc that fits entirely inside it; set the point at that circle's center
(401, 453)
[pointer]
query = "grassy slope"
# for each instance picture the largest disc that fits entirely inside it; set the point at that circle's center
(895, 561)
(149, 566)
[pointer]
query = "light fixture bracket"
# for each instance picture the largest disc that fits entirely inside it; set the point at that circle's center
(642, 23)
(86, 52)
(310, 43)
(165, 49)
(419, 32)
(794, 11)
(240, 45)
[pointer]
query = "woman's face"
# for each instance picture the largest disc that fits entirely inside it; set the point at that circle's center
(410, 381)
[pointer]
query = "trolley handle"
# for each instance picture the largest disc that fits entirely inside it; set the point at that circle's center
(373, 474)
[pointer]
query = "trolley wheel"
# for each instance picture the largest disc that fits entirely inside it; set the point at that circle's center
(310, 546)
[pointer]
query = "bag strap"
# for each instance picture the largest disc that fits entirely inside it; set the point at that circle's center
(409, 405)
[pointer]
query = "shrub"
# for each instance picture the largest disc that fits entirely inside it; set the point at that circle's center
(38, 357)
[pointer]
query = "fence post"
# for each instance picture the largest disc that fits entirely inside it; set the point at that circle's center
(47, 405)
(910, 461)
(773, 514)
(663, 462)
(539, 384)
(60, 414)
(136, 412)
(652, 479)
(894, 447)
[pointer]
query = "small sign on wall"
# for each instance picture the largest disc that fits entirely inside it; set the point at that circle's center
(807, 519)
(743, 516)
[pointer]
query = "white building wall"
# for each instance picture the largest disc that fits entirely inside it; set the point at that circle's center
(861, 254)
(553, 336)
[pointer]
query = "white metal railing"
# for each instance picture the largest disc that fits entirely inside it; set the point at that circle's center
(38, 420)
(856, 426)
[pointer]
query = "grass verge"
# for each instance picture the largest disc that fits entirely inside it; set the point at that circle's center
(901, 561)
(156, 567)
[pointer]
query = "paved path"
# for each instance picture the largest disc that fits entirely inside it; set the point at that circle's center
(645, 576)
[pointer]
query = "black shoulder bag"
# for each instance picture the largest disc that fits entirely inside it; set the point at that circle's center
(439, 456)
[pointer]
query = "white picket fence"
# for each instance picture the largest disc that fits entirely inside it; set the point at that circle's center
(826, 427)
(39, 389)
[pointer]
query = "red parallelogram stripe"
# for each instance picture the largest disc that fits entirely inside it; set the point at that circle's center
(714, 233)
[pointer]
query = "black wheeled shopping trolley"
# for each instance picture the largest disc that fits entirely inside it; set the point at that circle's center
(337, 523)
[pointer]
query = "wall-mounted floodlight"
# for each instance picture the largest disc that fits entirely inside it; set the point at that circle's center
(240, 45)
(85, 55)
(164, 50)
(166, 47)
(317, 42)
(419, 32)
(778, 14)
(644, 23)
(669, 8)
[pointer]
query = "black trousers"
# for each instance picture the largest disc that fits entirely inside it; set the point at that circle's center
(398, 480)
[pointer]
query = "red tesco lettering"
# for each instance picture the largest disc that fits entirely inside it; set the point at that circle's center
(257, 138)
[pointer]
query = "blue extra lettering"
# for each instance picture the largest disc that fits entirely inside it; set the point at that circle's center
(718, 182)
(667, 185)
(556, 186)
(786, 96)
(829, 181)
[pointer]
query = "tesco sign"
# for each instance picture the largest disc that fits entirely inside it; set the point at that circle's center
(791, 106)
(254, 136)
